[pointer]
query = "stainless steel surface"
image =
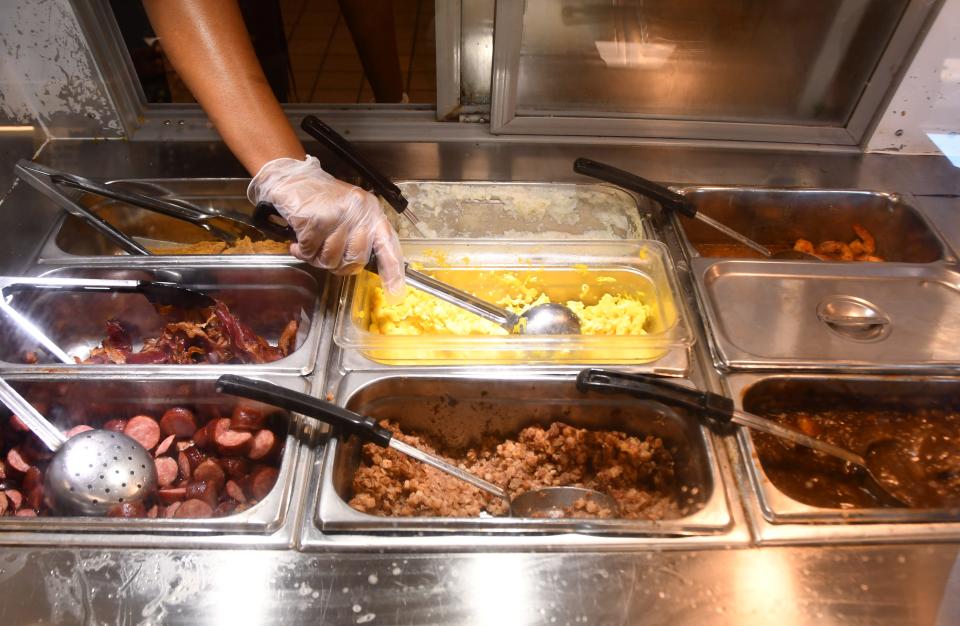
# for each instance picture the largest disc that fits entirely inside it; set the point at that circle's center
(98, 397)
(291, 293)
(461, 410)
(77, 483)
(868, 316)
(48, 577)
(778, 217)
(792, 520)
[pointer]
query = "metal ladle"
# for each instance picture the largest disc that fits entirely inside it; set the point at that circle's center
(549, 318)
(92, 472)
(712, 406)
(547, 502)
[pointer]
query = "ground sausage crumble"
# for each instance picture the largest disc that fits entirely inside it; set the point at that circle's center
(639, 473)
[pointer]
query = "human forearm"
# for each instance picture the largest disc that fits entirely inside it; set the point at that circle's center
(208, 45)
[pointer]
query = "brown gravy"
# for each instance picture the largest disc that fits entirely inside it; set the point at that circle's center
(927, 463)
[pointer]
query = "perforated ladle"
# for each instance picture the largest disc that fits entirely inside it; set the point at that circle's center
(92, 472)
(546, 502)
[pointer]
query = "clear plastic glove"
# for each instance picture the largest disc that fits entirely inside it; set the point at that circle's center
(338, 225)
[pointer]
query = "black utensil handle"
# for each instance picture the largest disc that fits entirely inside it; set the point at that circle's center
(263, 218)
(364, 427)
(381, 185)
(701, 403)
(668, 199)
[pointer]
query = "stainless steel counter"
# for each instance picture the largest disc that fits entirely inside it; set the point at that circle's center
(298, 577)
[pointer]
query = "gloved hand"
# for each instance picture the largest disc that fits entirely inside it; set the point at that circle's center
(337, 224)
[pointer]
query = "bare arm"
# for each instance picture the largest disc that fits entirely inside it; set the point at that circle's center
(208, 44)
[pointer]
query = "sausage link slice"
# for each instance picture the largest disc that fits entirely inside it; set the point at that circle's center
(262, 444)
(172, 494)
(247, 418)
(234, 442)
(171, 510)
(211, 472)
(235, 491)
(167, 470)
(179, 421)
(194, 509)
(115, 425)
(164, 446)
(15, 497)
(76, 430)
(144, 430)
(16, 461)
(263, 482)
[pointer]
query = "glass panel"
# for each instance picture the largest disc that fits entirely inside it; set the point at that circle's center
(773, 61)
(309, 50)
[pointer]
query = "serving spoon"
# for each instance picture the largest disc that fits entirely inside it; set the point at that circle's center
(550, 318)
(545, 502)
(714, 408)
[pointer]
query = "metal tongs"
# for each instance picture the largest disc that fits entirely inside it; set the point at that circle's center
(712, 407)
(221, 224)
(379, 184)
(156, 292)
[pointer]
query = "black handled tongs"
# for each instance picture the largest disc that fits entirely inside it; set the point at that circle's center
(221, 224)
(161, 293)
(667, 198)
(711, 407)
(371, 176)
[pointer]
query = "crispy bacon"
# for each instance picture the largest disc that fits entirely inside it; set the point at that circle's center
(220, 338)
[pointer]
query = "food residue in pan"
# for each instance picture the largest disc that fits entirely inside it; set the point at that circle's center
(209, 335)
(244, 245)
(637, 471)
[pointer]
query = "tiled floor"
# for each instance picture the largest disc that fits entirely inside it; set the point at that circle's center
(324, 63)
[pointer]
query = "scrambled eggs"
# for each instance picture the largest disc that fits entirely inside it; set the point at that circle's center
(419, 313)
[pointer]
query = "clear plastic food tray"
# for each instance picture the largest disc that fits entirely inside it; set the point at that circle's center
(566, 270)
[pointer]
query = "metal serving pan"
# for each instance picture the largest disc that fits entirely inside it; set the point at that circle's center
(512, 210)
(264, 297)
(127, 394)
(778, 217)
(461, 410)
(448, 209)
(870, 316)
(812, 392)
